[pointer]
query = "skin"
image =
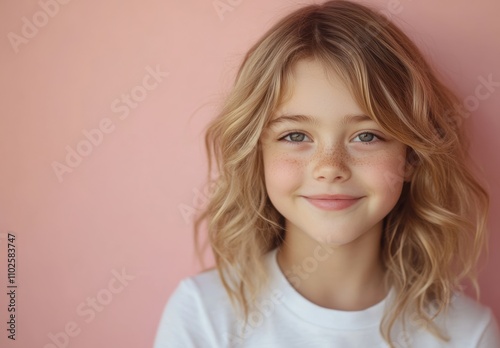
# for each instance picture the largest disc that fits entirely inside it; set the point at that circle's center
(330, 157)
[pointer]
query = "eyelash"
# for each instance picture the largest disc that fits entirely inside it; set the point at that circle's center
(299, 142)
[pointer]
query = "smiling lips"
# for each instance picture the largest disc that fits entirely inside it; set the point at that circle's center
(332, 202)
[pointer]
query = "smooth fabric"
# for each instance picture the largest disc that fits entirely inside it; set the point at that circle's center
(199, 314)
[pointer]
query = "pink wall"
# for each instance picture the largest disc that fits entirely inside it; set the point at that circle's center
(117, 209)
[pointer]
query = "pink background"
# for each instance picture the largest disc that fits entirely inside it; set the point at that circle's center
(119, 209)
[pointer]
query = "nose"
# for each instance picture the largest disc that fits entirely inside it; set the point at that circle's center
(331, 164)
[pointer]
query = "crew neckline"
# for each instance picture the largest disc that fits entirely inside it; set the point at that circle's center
(321, 316)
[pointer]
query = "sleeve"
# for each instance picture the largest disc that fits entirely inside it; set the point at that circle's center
(490, 337)
(180, 325)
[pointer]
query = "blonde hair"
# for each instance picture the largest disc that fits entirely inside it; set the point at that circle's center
(432, 238)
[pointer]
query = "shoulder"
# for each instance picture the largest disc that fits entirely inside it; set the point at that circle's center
(201, 292)
(207, 284)
(200, 287)
(188, 316)
(470, 321)
(466, 322)
(466, 310)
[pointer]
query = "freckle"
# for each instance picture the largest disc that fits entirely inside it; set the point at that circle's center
(291, 161)
(296, 162)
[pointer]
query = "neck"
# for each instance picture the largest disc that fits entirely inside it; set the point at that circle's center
(347, 277)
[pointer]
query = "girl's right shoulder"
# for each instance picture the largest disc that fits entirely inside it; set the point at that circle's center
(206, 285)
(189, 314)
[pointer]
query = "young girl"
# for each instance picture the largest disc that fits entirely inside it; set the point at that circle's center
(345, 212)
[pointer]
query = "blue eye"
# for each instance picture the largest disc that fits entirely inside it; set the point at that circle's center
(298, 137)
(367, 137)
(295, 137)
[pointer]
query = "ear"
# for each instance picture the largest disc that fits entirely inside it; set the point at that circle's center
(410, 164)
(409, 170)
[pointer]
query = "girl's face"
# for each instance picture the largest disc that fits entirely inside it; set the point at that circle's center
(320, 143)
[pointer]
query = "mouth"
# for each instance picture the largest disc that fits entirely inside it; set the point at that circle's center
(338, 202)
(332, 197)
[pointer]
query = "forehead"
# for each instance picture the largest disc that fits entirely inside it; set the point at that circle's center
(313, 89)
(303, 68)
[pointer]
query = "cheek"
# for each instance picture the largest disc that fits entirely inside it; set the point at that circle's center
(283, 171)
(387, 174)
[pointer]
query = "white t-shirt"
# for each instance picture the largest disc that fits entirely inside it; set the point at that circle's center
(199, 314)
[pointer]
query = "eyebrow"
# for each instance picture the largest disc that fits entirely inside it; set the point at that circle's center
(347, 119)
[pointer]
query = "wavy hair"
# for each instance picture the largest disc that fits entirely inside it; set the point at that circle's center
(433, 237)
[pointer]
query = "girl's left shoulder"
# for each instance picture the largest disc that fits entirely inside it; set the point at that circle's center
(465, 307)
(467, 317)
